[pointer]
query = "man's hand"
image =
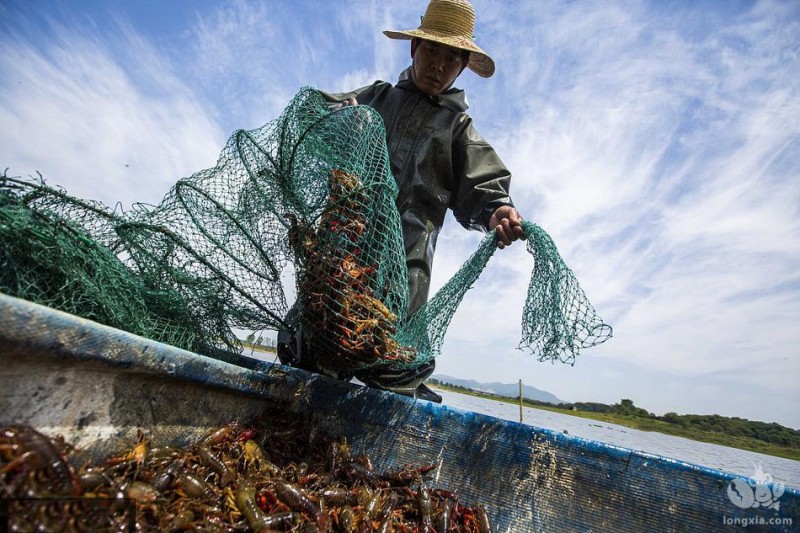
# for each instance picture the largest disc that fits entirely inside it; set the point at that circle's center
(335, 106)
(506, 221)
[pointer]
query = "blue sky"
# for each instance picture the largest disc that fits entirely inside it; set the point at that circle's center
(657, 142)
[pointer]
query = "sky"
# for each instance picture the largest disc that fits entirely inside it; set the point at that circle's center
(657, 142)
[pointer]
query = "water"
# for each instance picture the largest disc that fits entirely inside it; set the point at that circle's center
(732, 460)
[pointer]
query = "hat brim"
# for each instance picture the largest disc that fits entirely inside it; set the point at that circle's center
(479, 61)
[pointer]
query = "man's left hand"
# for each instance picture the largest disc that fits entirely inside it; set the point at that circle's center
(507, 222)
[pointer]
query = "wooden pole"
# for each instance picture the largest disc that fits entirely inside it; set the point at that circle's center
(520, 401)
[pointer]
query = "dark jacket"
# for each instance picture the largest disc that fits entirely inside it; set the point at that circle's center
(439, 161)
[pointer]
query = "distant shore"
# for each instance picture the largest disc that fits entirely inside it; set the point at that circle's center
(647, 424)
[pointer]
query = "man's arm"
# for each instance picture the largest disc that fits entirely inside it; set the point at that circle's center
(481, 198)
(349, 98)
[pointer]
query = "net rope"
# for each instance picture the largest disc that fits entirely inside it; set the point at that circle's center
(304, 206)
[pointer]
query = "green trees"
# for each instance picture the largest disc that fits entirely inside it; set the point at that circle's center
(625, 407)
(770, 432)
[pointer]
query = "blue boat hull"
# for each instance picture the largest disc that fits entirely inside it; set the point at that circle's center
(97, 386)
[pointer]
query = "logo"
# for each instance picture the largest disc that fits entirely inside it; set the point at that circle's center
(758, 491)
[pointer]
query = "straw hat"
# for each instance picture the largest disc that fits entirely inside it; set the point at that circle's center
(451, 22)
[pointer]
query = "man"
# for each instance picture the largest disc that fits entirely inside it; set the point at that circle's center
(439, 160)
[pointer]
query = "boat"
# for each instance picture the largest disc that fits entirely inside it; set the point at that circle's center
(98, 386)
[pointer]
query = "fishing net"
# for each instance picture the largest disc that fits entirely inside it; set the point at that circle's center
(300, 211)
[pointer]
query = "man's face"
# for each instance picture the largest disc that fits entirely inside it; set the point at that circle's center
(435, 66)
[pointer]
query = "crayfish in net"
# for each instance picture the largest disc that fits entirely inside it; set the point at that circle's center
(340, 287)
(236, 478)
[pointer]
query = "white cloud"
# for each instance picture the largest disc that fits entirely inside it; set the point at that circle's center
(251, 57)
(659, 161)
(74, 112)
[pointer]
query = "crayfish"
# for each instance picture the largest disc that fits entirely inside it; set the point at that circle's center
(339, 284)
(233, 479)
(28, 456)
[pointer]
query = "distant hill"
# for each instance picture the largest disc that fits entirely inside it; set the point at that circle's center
(501, 389)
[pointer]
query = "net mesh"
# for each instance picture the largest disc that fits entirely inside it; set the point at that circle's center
(301, 209)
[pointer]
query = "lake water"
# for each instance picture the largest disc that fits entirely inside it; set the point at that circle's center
(733, 460)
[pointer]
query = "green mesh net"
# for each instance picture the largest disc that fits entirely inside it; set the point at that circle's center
(301, 210)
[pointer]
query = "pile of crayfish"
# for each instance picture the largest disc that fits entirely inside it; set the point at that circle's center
(234, 479)
(343, 315)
